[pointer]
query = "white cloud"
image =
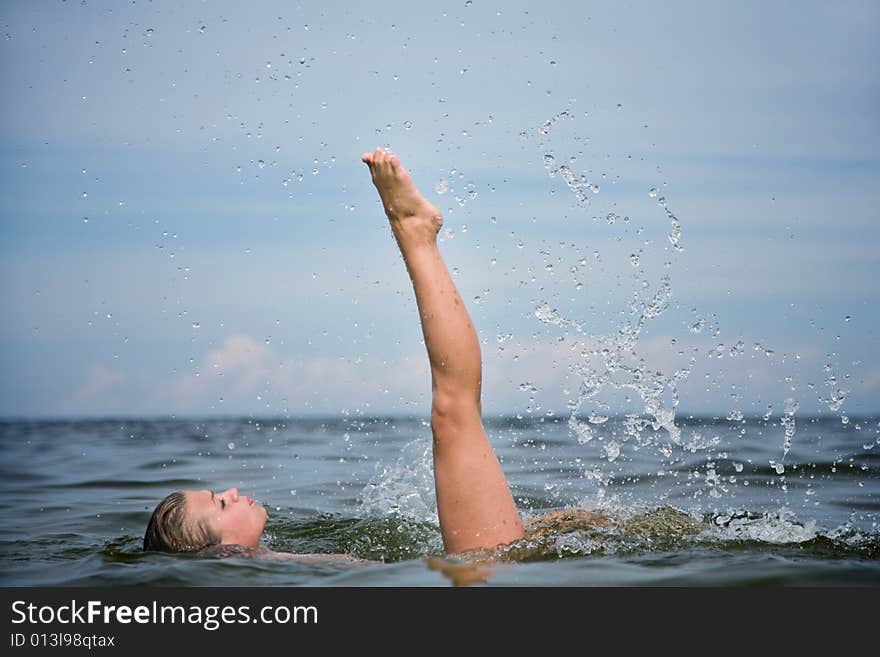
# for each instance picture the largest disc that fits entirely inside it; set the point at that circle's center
(247, 376)
(98, 393)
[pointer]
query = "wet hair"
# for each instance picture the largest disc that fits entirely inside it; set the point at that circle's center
(170, 530)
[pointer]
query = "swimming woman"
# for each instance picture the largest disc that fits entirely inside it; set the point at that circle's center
(474, 503)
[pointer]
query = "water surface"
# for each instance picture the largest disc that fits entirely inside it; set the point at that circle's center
(77, 494)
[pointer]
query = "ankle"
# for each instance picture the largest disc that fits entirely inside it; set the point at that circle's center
(416, 231)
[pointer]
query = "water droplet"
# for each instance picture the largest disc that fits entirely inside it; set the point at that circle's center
(230, 445)
(501, 338)
(477, 299)
(408, 125)
(196, 325)
(261, 163)
(441, 186)
(612, 451)
(847, 318)
(85, 220)
(549, 315)
(698, 326)
(652, 192)
(788, 422)
(149, 32)
(738, 349)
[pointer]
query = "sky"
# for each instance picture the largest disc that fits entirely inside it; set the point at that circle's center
(646, 205)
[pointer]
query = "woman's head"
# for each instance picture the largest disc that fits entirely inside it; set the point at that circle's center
(189, 521)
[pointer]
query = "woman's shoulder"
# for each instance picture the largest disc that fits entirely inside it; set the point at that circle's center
(317, 558)
(226, 551)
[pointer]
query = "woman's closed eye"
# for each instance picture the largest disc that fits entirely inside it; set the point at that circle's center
(222, 503)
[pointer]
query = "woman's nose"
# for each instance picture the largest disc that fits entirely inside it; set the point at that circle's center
(232, 494)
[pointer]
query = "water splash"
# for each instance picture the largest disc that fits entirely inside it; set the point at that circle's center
(777, 528)
(791, 407)
(612, 451)
(406, 488)
(625, 530)
(581, 429)
(610, 361)
(674, 230)
(836, 398)
(550, 315)
(579, 184)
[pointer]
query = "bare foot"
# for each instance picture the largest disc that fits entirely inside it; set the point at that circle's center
(410, 214)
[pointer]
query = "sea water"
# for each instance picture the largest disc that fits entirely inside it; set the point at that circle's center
(76, 495)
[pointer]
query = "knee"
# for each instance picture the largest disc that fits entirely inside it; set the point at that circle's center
(452, 415)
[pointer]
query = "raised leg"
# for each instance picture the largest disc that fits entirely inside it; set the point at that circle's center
(474, 503)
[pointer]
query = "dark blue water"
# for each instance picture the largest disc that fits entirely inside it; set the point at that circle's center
(76, 497)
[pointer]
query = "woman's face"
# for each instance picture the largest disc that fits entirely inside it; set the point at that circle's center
(236, 519)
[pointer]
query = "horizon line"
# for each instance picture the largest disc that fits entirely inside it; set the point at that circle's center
(555, 418)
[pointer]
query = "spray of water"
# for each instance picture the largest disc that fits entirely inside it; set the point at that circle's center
(609, 361)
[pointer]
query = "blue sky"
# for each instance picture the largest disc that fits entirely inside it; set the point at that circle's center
(187, 228)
